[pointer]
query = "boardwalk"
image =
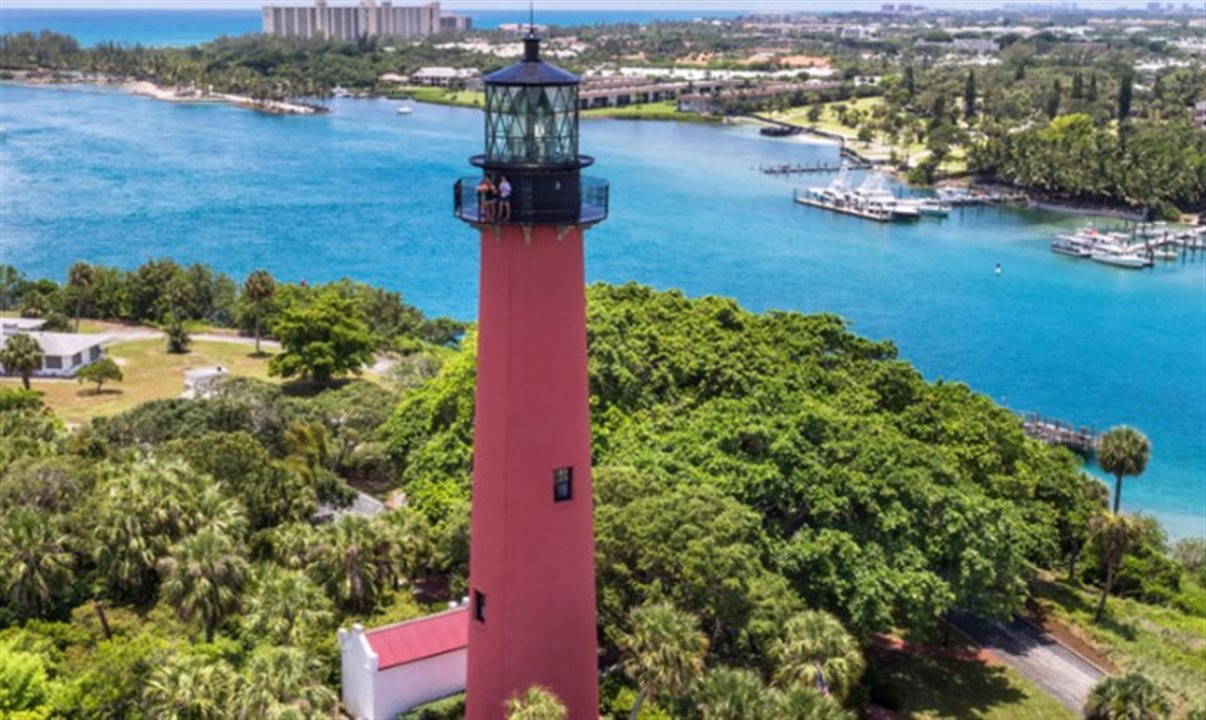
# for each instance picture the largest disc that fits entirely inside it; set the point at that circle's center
(1056, 432)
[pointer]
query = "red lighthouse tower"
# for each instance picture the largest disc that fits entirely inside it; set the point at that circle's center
(531, 563)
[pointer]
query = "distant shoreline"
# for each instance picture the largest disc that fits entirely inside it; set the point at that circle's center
(181, 95)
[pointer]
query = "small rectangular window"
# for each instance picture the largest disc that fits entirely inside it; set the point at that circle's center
(479, 606)
(563, 484)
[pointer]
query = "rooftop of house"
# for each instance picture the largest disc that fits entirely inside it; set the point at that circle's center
(54, 343)
(362, 504)
(21, 324)
(413, 640)
(206, 373)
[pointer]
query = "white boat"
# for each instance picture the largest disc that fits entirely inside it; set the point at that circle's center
(1119, 258)
(405, 110)
(934, 208)
(871, 200)
(1071, 245)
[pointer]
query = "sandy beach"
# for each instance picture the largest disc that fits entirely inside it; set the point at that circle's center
(193, 95)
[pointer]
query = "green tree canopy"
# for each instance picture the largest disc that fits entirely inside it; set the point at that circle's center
(1130, 697)
(662, 652)
(1123, 452)
(536, 703)
(203, 578)
(100, 372)
(322, 340)
(21, 355)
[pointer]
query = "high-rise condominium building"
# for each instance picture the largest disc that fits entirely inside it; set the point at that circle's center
(352, 22)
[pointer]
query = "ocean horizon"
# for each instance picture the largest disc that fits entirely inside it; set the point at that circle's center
(177, 28)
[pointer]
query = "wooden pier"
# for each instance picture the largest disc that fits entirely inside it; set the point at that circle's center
(807, 168)
(1083, 440)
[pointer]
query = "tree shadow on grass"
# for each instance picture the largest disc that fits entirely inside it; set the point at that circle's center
(94, 393)
(311, 388)
(1074, 601)
(917, 685)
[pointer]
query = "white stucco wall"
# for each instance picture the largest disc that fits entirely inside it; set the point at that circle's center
(382, 695)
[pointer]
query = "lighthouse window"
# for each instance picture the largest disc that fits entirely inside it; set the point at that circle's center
(563, 484)
(479, 606)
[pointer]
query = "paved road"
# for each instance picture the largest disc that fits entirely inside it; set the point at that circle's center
(1054, 668)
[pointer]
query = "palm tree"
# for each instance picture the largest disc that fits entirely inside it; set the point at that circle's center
(191, 688)
(258, 290)
(817, 653)
(80, 279)
(805, 703)
(1115, 532)
(733, 694)
(286, 607)
(282, 682)
(217, 511)
(1124, 451)
(34, 562)
(664, 650)
(203, 577)
(356, 562)
(22, 355)
(143, 511)
(1130, 697)
(536, 703)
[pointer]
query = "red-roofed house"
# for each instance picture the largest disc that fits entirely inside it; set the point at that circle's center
(391, 669)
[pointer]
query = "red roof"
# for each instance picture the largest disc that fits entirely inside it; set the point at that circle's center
(418, 639)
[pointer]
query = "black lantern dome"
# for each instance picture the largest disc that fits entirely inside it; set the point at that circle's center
(532, 114)
(531, 151)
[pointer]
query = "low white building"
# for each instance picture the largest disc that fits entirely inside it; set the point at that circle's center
(446, 77)
(387, 671)
(63, 354)
(202, 382)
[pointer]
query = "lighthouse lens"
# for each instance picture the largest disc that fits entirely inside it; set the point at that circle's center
(532, 125)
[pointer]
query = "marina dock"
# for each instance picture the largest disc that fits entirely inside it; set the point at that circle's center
(1083, 440)
(807, 168)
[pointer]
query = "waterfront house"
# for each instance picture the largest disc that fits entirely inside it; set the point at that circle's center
(445, 77)
(389, 670)
(63, 354)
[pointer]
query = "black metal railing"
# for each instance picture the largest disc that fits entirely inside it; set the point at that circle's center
(535, 200)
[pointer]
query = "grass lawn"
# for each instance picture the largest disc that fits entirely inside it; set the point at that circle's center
(665, 110)
(150, 374)
(440, 96)
(1163, 643)
(829, 118)
(919, 686)
(829, 123)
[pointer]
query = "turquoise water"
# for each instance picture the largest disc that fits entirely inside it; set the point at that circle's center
(101, 176)
(190, 27)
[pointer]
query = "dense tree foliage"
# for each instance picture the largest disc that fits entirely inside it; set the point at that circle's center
(162, 292)
(780, 447)
(770, 489)
(1077, 158)
(1130, 696)
(321, 340)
